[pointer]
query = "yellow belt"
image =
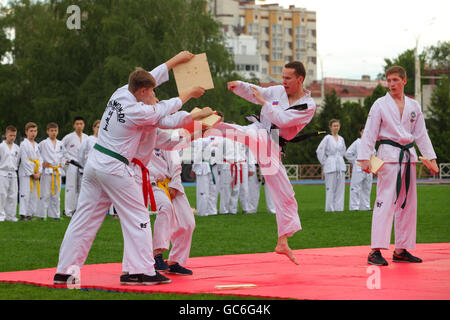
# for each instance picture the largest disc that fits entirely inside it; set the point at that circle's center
(55, 172)
(36, 170)
(164, 184)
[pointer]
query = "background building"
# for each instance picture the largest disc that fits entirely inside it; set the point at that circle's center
(281, 34)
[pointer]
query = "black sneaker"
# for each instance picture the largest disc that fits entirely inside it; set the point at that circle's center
(376, 259)
(143, 279)
(405, 256)
(160, 264)
(178, 269)
(60, 278)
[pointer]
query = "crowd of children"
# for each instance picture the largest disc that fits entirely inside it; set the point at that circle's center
(31, 174)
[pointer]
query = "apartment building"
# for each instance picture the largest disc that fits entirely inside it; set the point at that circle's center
(282, 34)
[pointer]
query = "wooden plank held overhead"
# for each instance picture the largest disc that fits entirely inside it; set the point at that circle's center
(193, 73)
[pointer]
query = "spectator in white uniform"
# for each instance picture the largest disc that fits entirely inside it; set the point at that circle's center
(361, 182)
(30, 169)
(330, 154)
(9, 163)
(72, 143)
(52, 153)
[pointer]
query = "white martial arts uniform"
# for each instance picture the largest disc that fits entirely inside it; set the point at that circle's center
(85, 148)
(290, 122)
(205, 185)
(330, 154)
(255, 182)
(108, 180)
(384, 122)
(29, 188)
(360, 183)
(230, 177)
(242, 151)
(54, 155)
(72, 143)
(175, 221)
(9, 163)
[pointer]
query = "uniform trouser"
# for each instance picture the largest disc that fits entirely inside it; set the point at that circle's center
(8, 197)
(214, 191)
(28, 199)
(98, 191)
(173, 225)
(203, 194)
(72, 191)
(49, 203)
(254, 188)
(335, 191)
(360, 188)
(283, 196)
(243, 190)
(229, 194)
(386, 208)
(269, 202)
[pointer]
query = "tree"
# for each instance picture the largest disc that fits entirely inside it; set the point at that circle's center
(438, 121)
(58, 73)
(407, 61)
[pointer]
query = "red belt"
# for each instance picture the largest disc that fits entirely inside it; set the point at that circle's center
(234, 181)
(146, 186)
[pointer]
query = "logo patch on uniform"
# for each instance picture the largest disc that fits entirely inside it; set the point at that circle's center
(379, 204)
(413, 116)
(275, 103)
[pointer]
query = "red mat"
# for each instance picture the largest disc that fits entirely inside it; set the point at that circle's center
(323, 274)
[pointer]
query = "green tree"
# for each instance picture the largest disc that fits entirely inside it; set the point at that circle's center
(58, 73)
(438, 119)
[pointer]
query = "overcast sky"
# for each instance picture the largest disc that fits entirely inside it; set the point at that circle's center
(354, 36)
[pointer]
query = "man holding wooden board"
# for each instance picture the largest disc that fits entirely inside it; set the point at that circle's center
(397, 122)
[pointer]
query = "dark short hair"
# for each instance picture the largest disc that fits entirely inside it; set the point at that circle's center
(298, 66)
(78, 118)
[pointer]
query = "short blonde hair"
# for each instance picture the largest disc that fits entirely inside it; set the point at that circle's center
(140, 78)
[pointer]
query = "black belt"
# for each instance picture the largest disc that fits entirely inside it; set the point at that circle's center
(403, 148)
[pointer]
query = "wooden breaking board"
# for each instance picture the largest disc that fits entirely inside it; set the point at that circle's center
(193, 73)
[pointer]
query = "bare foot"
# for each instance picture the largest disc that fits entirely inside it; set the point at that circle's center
(284, 249)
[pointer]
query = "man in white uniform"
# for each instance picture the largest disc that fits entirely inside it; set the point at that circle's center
(330, 154)
(30, 169)
(52, 154)
(290, 108)
(88, 144)
(107, 178)
(72, 143)
(9, 163)
(361, 182)
(203, 176)
(230, 181)
(397, 122)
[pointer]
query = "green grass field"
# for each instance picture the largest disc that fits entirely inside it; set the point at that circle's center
(27, 245)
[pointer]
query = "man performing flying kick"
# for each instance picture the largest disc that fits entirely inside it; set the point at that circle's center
(288, 108)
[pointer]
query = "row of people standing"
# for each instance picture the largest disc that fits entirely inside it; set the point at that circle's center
(330, 153)
(33, 171)
(226, 168)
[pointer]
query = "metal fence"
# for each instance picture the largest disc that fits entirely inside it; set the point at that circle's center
(314, 171)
